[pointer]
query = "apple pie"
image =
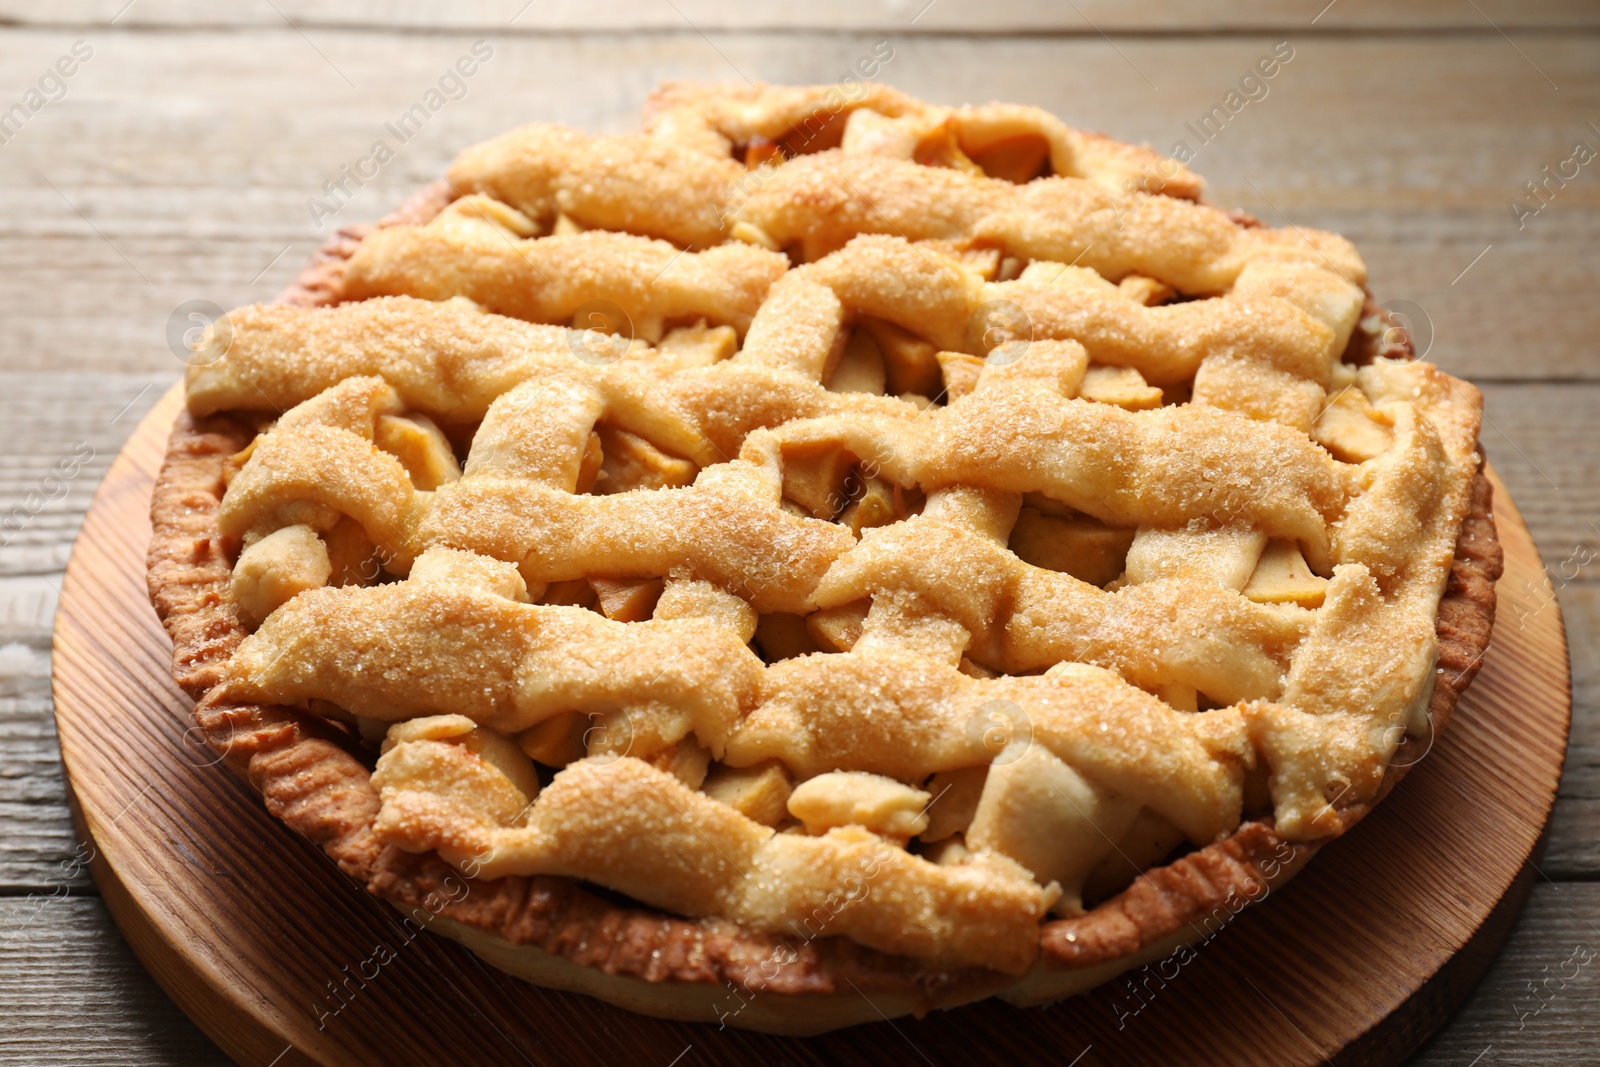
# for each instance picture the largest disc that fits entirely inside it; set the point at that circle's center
(863, 554)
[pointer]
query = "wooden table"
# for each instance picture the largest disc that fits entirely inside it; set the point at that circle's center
(177, 161)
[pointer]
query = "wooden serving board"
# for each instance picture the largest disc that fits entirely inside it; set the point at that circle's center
(283, 960)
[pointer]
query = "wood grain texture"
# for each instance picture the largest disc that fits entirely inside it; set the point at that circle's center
(74, 995)
(64, 958)
(1537, 1006)
(922, 16)
(179, 165)
(48, 419)
(182, 852)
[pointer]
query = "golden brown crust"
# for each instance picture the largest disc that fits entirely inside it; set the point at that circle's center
(319, 787)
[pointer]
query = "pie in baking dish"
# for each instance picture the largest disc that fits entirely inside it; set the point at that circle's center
(822, 544)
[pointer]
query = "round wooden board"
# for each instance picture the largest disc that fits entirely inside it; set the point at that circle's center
(275, 953)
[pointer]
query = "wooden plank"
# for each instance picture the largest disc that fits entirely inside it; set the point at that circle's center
(72, 993)
(197, 185)
(921, 16)
(1541, 437)
(1574, 846)
(37, 847)
(56, 442)
(1540, 1002)
(60, 434)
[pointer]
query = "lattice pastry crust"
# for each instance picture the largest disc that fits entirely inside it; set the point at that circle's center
(863, 528)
